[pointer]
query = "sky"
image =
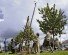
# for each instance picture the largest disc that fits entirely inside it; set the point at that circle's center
(15, 14)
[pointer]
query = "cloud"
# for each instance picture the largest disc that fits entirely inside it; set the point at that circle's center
(15, 14)
(1, 20)
(17, 2)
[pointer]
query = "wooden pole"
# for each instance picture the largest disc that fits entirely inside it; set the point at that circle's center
(33, 14)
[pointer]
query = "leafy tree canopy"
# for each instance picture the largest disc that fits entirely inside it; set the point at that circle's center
(53, 19)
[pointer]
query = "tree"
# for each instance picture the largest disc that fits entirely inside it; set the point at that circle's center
(53, 20)
(28, 31)
(19, 37)
(28, 34)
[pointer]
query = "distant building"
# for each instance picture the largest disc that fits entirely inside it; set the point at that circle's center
(65, 45)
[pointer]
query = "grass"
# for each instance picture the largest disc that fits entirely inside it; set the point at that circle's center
(44, 53)
(7, 53)
(55, 53)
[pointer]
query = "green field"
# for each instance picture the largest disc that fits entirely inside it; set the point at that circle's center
(44, 53)
(55, 53)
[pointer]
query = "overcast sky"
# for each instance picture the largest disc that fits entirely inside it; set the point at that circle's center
(16, 11)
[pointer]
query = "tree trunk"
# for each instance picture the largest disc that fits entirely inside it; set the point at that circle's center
(28, 47)
(53, 42)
